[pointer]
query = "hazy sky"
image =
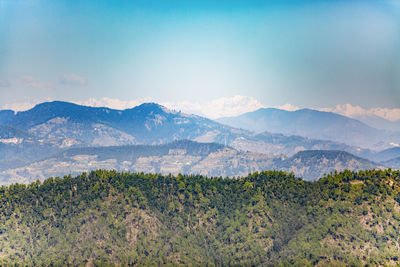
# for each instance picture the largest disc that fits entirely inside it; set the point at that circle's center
(306, 53)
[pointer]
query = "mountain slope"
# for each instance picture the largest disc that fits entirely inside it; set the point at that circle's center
(271, 143)
(387, 154)
(392, 163)
(7, 132)
(314, 124)
(186, 157)
(148, 123)
(379, 122)
(177, 157)
(17, 147)
(316, 163)
(6, 116)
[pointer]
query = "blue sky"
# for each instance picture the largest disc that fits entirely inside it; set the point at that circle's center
(306, 53)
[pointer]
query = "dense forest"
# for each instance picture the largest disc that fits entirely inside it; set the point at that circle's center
(106, 218)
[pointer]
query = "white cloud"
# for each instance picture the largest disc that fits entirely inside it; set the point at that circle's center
(356, 111)
(288, 107)
(31, 81)
(113, 103)
(389, 114)
(73, 79)
(19, 106)
(221, 107)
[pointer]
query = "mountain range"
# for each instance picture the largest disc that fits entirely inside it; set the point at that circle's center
(379, 122)
(32, 141)
(148, 123)
(315, 124)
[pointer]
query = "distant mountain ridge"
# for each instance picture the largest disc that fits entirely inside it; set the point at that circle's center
(379, 122)
(316, 163)
(392, 163)
(148, 123)
(65, 124)
(314, 124)
(387, 154)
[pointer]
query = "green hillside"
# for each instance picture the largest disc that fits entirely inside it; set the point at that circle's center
(108, 218)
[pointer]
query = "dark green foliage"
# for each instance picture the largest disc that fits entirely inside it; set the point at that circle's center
(269, 218)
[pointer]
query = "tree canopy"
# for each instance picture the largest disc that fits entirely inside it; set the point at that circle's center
(267, 218)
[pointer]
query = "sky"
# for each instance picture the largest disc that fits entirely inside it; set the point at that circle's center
(214, 58)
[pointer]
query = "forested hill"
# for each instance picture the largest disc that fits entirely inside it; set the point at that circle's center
(265, 218)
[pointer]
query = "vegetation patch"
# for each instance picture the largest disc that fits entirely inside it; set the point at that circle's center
(267, 218)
